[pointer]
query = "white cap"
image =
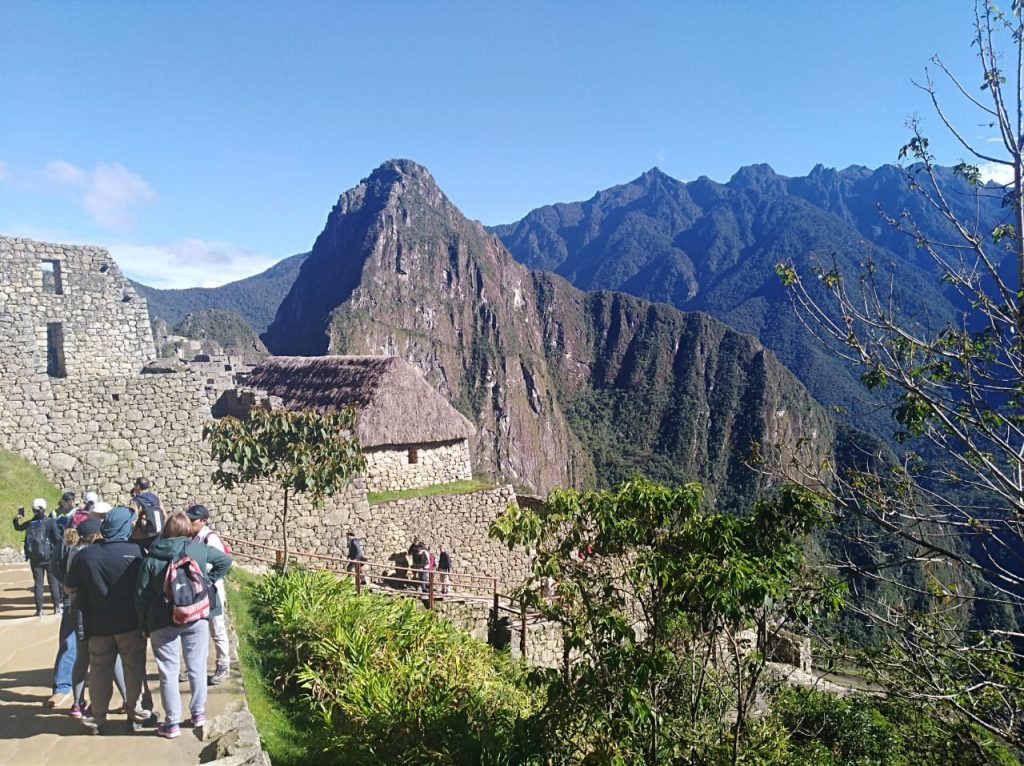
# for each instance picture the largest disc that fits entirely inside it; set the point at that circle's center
(39, 504)
(91, 497)
(101, 507)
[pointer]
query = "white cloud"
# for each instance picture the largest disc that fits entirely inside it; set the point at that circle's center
(109, 193)
(188, 263)
(994, 171)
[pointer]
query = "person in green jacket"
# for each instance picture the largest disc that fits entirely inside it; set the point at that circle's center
(155, 620)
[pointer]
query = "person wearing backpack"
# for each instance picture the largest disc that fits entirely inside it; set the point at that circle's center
(43, 541)
(173, 600)
(199, 515)
(151, 515)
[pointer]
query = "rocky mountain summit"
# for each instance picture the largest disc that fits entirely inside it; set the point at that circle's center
(565, 387)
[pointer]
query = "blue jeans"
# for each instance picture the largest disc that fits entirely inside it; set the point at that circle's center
(67, 650)
(195, 640)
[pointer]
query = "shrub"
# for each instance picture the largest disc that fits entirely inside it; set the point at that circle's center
(384, 681)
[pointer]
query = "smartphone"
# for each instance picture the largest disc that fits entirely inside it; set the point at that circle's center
(21, 511)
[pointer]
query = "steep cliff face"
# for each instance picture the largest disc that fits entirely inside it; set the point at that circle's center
(565, 387)
(399, 270)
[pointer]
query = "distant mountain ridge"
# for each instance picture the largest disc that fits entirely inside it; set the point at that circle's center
(565, 387)
(706, 246)
(255, 298)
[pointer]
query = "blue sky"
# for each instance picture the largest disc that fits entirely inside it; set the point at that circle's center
(203, 141)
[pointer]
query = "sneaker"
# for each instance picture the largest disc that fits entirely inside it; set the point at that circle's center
(168, 730)
(198, 719)
(92, 727)
(76, 711)
(150, 721)
(57, 699)
(220, 675)
(183, 677)
(39, 612)
(58, 610)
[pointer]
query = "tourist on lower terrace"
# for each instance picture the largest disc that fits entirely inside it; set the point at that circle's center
(421, 561)
(444, 569)
(199, 515)
(155, 617)
(355, 552)
(43, 541)
(103, 576)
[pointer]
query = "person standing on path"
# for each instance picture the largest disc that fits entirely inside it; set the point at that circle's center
(444, 569)
(150, 513)
(102, 576)
(43, 541)
(154, 613)
(355, 552)
(199, 515)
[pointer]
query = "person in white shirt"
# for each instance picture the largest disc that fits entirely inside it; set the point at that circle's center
(199, 515)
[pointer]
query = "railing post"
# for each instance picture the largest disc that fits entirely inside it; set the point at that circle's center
(494, 586)
(522, 628)
(359, 577)
(430, 590)
(279, 556)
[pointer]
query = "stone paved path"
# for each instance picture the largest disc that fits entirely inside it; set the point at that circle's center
(34, 735)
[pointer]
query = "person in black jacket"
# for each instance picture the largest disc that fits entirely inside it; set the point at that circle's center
(102, 576)
(43, 542)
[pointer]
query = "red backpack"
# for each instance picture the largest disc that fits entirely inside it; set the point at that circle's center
(186, 590)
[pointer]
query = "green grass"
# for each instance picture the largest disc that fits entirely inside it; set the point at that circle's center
(282, 739)
(20, 482)
(452, 488)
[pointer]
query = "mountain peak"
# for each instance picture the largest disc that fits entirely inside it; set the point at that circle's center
(401, 167)
(760, 177)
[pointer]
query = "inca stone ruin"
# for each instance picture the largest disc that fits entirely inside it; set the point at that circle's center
(82, 401)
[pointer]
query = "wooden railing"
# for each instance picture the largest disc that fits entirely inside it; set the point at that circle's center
(391, 579)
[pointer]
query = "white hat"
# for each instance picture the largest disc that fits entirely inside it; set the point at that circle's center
(91, 497)
(101, 507)
(39, 504)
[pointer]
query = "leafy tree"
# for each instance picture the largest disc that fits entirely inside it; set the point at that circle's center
(311, 452)
(957, 396)
(665, 613)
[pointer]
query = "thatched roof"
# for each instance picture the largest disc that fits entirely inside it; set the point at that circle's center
(395, 404)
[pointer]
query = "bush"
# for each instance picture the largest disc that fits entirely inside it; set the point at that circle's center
(384, 682)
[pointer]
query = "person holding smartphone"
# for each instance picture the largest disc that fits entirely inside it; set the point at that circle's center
(43, 540)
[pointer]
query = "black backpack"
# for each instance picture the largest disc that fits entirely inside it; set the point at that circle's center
(37, 543)
(154, 513)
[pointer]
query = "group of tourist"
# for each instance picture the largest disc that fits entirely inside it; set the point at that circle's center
(420, 563)
(119, 576)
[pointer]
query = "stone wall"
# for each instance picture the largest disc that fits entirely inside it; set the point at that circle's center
(417, 465)
(459, 522)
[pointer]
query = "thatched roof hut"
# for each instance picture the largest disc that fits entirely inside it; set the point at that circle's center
(395, 404)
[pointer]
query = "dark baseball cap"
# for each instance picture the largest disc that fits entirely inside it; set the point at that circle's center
(198, 512)
(89, 527)
(68, 496)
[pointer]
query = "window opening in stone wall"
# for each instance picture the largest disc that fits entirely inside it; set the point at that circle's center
(414, 456)
(116, 397)
(55, 350)
(52, 284)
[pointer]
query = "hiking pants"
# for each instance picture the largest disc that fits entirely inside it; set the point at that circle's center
(80, 672)
(219, 629)
(67, 652)
(103, 652)
(195, 641)
(42, 569)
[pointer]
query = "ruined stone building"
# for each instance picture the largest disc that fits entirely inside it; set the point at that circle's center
(80, 398)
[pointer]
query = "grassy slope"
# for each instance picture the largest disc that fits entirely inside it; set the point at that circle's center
(20, 482)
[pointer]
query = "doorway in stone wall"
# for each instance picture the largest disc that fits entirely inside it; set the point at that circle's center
(55, 350)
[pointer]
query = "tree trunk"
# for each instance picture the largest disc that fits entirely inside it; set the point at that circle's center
(284, 532)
